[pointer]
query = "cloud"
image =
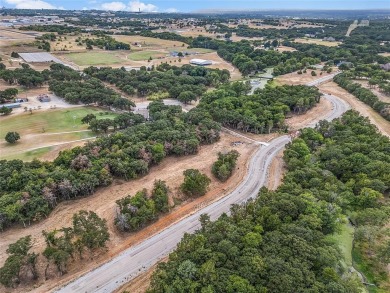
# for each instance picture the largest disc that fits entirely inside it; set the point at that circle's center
(137, 5)
(31, 4)
(114, 6)
(171, 10)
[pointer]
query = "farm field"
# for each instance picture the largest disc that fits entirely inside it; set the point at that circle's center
(317, 42)
(93, 58)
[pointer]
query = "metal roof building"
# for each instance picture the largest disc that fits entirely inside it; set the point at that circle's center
(201, 62)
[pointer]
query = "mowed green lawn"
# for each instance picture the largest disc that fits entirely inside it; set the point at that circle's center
(94, 58)
(61, 120)
(145, 55)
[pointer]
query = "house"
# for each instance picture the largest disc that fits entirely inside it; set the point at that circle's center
(44, 98)
(200, 62)
(329, 39)
(385, 66)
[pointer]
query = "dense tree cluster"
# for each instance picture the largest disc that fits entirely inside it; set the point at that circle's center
(135, 212)
(121, 121)
(365, 95)
(89, 232)
(106, 43)
(279, 241)
(24, 76)
(166, 78)
(7, 95)
(30, 190)
(55, 28)
(262, 112)
(224, 166)
(20, 261)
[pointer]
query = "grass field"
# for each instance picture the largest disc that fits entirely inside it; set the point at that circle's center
(344, 241)
(145, 55)
(317, 42)
(93, 58)
(63, 120)
(29, 155)
(192, 50)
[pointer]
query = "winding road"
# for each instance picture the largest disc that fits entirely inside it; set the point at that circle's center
(137, 259)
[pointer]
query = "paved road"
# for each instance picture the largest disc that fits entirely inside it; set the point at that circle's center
(322, 79)
(139, 258)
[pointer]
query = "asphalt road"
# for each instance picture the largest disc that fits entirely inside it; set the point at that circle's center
(139, 258)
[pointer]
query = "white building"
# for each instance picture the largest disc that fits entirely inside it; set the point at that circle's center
(201, 62)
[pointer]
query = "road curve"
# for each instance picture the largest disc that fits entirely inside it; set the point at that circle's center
(139, 258)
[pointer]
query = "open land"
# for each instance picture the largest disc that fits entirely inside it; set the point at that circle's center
(44, 130)
(317, 42)
(296, 79)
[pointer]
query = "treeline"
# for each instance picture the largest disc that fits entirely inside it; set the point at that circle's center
(280, 241)
(363, 94)
(169, 79)
(88, 233)
(106, 43)
(263, 112)
(30, 190)
(25, 76)
(165, 36)
(55, 28)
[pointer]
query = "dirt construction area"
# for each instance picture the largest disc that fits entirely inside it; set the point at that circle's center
(296, 79)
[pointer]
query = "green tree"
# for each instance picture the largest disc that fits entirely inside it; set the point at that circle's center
(12, 137)
(195, 183)
(91, 229)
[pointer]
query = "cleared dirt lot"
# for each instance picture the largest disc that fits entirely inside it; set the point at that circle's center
(296, 79)
(365, 110)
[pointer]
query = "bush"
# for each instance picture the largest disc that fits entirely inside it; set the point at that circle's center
(224, 166)
(195, 183)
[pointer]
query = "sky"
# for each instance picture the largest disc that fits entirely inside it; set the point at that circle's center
(195, 5)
